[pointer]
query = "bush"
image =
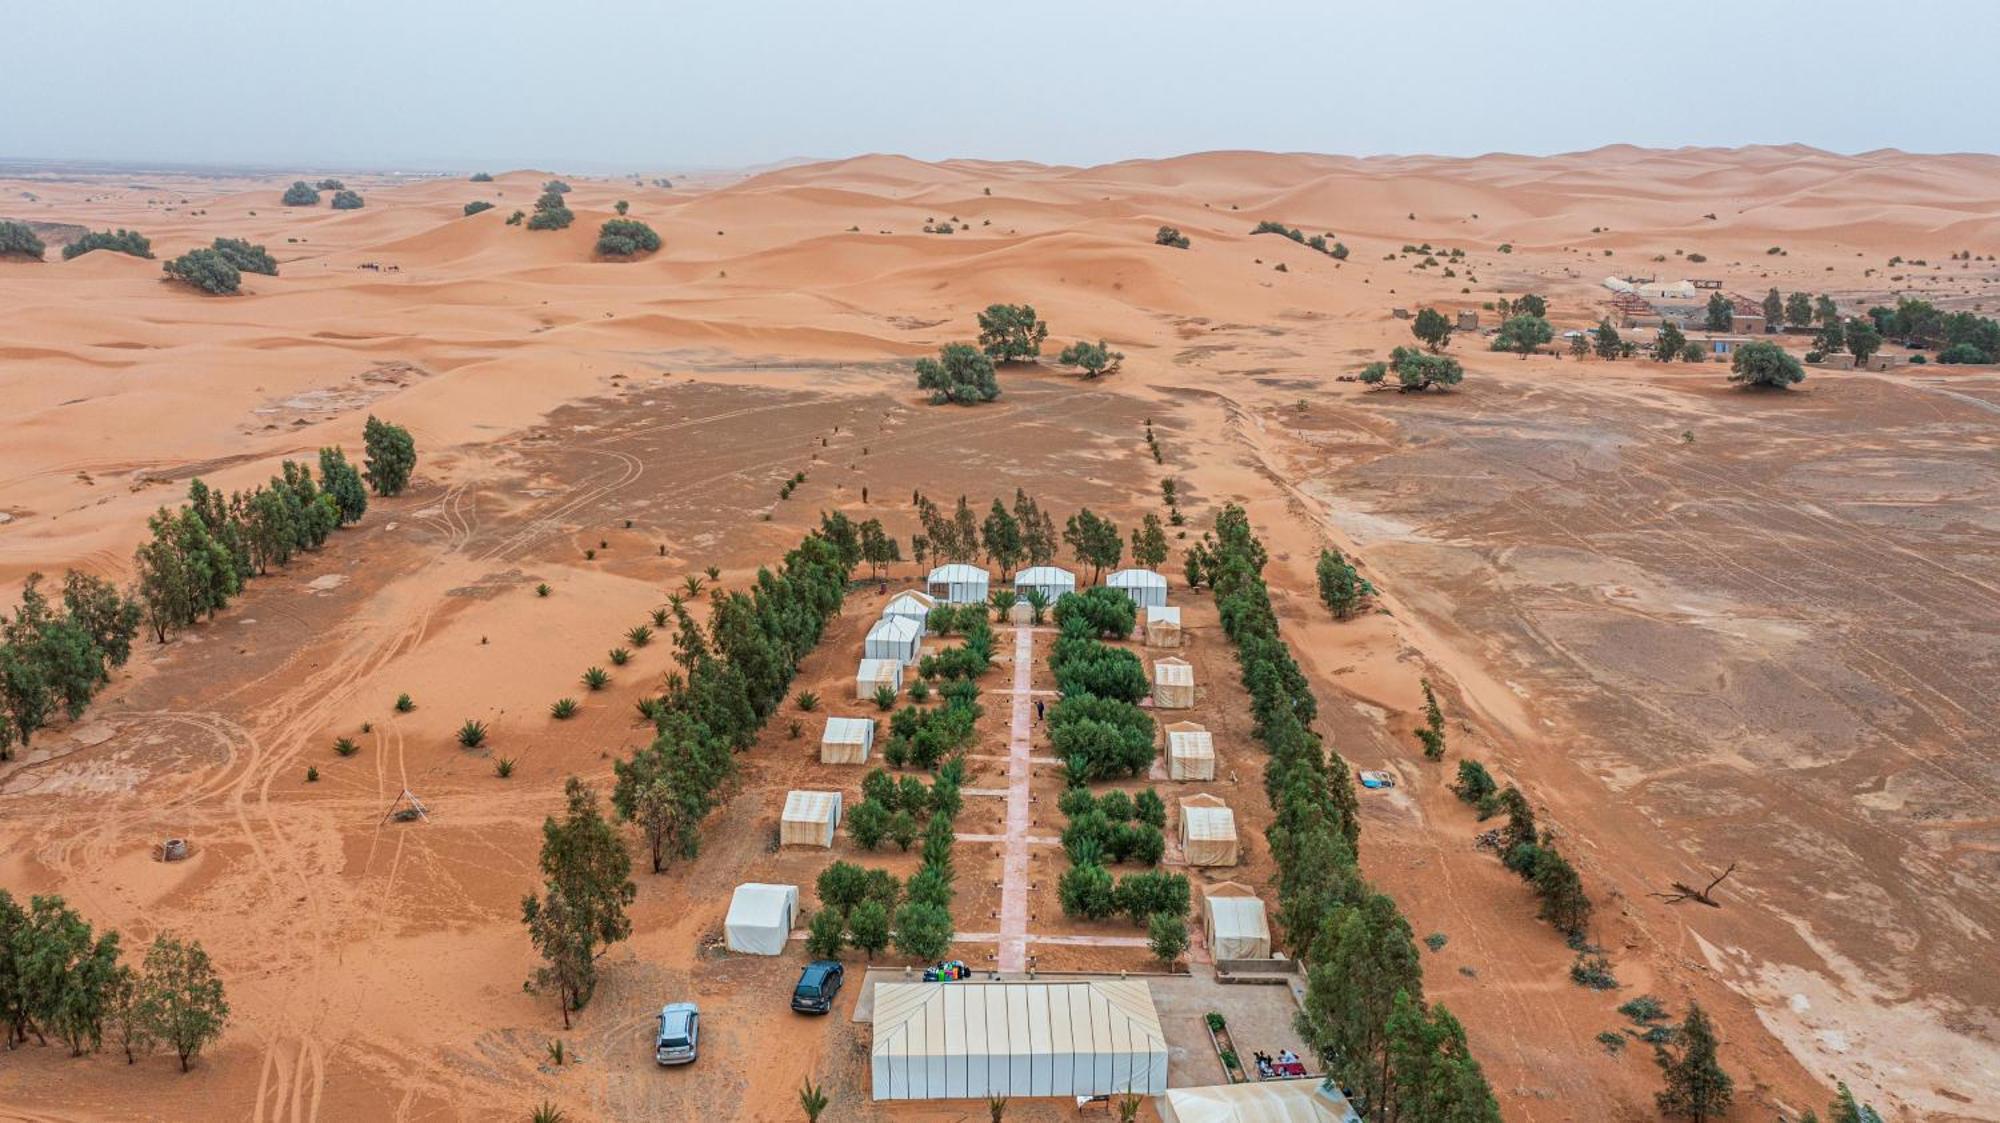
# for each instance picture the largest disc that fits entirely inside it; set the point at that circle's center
(1592, 971)
(1765, 365)
(1166, 937)
(960, 375)
(555, 187)
(868, 824)
(477, 205)
(1150, 809)
(563, 709)
(1169, 236)
(1101, 737)
(301, 194)
(551, 213)
(1153, 893)
(1095, 358)
(923, 930)
(17, 240)
(515, 218)
(1084, 666)
(206, 270)
(247, 257)
(482, 177)
(1102, 610)
(826, 935)
(1474, 782)
(1086, 891)
(347, 201)
(626, 237)
(472, 734)
(842, 886)
(119, 241)
(868, 927)
(1963, 353)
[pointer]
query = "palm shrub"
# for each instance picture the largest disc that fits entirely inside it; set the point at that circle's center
(563, 709)
(807, 701)
(885, 697)
(403, 704)
(620, 656)
(345, 746)
(504, 767)
(472, 734)
(595, 678)
(639, 636)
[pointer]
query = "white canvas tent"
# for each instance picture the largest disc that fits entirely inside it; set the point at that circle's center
(958, 583)
(970, 1040)
(1050, 580)
(1208, 831)
(894, 637)
(760, 918)
(1265, 1101)
(1173, 683)
(1190, 752)
(1234, 922)
(1163, 626)
(1146, 588)
(876, 673)
(911, 605)
(847, 740)
(809, 819)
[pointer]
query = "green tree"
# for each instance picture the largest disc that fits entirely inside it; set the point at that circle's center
(1011, 332)
(1166, 937)
(1094, 541)
(1846, 1109)
(621, 206)
(923, 930)
(1564, 903)
(1433, 328)
(868, 926)
(1416, 371)
(1830, 340)
(1765, 365)
(121, 241)
(1086, 890)
(587, 886)
(301, 194)
(1862, 339)
(1696, 1085)
(206, 270)
(1798, 310)
(347, 201)
(110, 619)
(1668, 345)
(340, 480)
(1094, 358)
(1692, 352)
(1524, 334)
(826, 935)
(1149, 542)
(1001, 535)
(246, 257)
(18, 239)
(1721, 313)
(182, 997)
(1774, 308)
(1170, 236)
(1825, 311)
(1608, 343)
(482, 177)
(551, 213)
(877, 548)
(1431, 735)
(1432, 1074)
(1358, 967)
(391, 456)
(1531, 305)
(960, 375)
(477, 205)
(1340, 584)
(626, 237)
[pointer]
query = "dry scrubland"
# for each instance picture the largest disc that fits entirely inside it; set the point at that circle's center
(1696, 625)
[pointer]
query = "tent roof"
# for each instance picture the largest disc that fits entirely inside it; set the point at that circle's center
(1045, 575)
(1018, 1018)
(1237, 916)
(875, 670)
(760, 904)
(957, 571)
(812, 807)
(900, 629)
(1206, 817)
(1190, 742)
(848, 730)
(1136, 578)
(1173, 672)
(1162, 614)
(913, 598)
(1265, 1101)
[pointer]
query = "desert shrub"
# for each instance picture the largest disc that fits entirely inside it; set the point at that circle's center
(1095, 358)
(347, 201)
(472, 734)
(555, 187)
(1474, 782)
(18, 240)
(206, 270)
(118, 241)
(482, 177)
(1170, 236)
(1592, 971)
(246, 256)
(626, 237)
(1963, 353)
(563, 709)
(515, 218)
(1765, 365)
(300, 194)
(960, 375)
(477, 205)
(1644, 1009)
(1269, 227)
(1011, 332)
(551, 213)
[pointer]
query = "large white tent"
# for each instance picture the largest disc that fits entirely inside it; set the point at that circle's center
(875, 674)
(911, 605)
(1190, 752)
(809, 819)
(1049, 580)
(1234, 922)
(1208, 831)
(894, 637)
(1266, 1101)
(847, 740)
(1146, 588)
(1163, 626)
(1173, 683)
(970, 1040)
(760, 918)
(958, 583)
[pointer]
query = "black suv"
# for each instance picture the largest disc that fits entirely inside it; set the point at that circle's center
(818, 984)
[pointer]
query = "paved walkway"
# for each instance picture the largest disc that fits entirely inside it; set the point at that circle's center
(1014, 860)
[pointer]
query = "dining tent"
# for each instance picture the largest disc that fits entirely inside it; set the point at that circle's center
(1049, 580)
(1146, 588)
(1265, 1101)
(957, 583)
(1233, 920)
(1190, 752)
(847, 740)
(1208, 831)
(760, 918)
(894, 637)
(1163, 626)
(970, 1040)
(810, 818)
(875, 674)
(911, 605)
(1173, 683)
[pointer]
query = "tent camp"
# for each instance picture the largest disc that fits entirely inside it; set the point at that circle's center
(1233, 920)
(1173, 683)
(1190, 752)
(810, 818)
(1146, 588)
(958, 583)
(1049, 580)
(894, 637)
(1266, 1101)
(1163, 626)
(911, 605)
(877, 673)
(1208, 831)
(847, 740)
(974, 1040)
(760, 918)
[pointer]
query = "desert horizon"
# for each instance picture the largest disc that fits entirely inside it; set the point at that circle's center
(1652, 485)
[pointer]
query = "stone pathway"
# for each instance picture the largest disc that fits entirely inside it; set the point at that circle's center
(1013, 955)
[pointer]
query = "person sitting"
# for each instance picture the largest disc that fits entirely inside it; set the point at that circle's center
(1286, 1056)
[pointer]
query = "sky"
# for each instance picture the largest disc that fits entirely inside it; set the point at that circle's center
(626, 85)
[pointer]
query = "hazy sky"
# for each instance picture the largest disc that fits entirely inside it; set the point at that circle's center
(628, 85)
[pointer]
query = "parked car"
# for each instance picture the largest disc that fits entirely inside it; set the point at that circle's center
(819, 983)
(680, 1034)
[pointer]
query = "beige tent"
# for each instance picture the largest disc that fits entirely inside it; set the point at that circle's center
(894, 637)
(847, 740)
(1173, 683)
(1266, 1101)
(1190, 752)
(1208, 831)
(760, 918)
(970, 1040)
(876, 673)
(810, 818)
(1233, 919)
(911, 605)
(1163, 626)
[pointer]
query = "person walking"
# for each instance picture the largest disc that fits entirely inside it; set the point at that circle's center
(1038, 709)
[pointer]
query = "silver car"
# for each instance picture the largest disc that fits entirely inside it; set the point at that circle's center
(679, 1038)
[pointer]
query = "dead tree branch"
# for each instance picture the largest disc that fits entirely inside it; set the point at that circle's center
(1685, 892)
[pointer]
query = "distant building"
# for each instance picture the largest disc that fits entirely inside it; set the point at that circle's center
(1468, 319)
(1747, 315)
(1721, 347)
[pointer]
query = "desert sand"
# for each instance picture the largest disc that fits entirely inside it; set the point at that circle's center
(1698, 626)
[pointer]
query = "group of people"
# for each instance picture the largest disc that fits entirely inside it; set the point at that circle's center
(1286, 1064)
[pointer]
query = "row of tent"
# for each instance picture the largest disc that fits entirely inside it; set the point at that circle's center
(1190, 746)
(960, 583)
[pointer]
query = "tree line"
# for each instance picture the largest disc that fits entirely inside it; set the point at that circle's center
(964, 374)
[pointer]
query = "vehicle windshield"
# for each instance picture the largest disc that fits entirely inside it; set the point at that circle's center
(807, 990)
(674, 1042)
